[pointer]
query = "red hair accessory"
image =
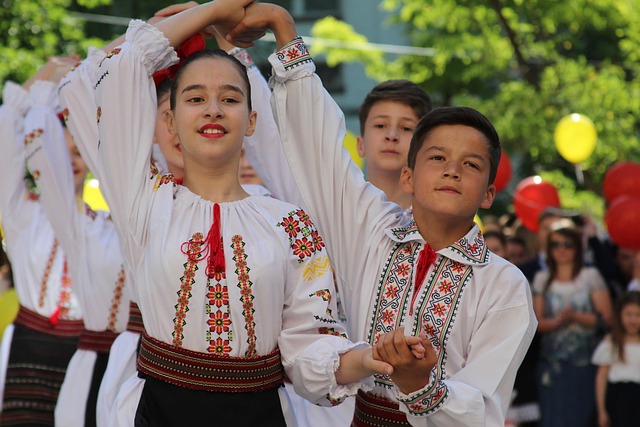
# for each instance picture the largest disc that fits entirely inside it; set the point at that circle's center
(195, 44)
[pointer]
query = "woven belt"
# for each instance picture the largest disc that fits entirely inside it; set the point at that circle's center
(204, 371)
(32, 320)
(98, 341)
(377, 411)
(135, 319)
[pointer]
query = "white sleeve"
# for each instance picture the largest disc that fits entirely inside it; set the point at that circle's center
(48, 160)
(77, 99)
(126, 113)
(312, 337)
(264, 148)
(347, 210)
(14, 205)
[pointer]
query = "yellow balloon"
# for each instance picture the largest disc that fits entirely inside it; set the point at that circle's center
(575, 137)
(351, 144)
(93, 197)
(8, 308)
(479, 222)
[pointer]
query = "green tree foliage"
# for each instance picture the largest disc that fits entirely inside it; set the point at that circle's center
(32, 30)
(525, 64)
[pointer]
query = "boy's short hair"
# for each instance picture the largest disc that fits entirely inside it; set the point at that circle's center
(466, 116)
(402, 91)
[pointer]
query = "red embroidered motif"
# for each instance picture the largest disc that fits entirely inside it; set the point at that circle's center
(115, 301)
(47, 273)
(62, 310)
(187, 280)
(245, 284)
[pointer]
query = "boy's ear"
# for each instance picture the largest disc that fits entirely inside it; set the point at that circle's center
(171, 127)
(406, 180)
(360, 146)
(487, 201)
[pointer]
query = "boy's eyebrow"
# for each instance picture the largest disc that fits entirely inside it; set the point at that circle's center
(440, 148)
(386, 116)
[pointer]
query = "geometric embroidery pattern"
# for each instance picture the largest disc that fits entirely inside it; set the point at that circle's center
(293, 54)
(186, 284)
(437, 308)
(316, 268)
(325, 294)
(115, 302)
(394, 290)
(246, 296)
(475, 251)
(219, 334)
(47, 273)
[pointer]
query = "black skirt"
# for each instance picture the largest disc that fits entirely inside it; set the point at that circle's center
(623, 404)
(163, 404)
(36, 369)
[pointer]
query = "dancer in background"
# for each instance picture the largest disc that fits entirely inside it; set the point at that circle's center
(37, 348)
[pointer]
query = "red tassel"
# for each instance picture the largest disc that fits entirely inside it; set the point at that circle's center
(55, 316)
(215, 260)
(425, 259)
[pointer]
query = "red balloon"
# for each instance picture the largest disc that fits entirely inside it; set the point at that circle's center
(622, 179)
(532, 196)
(503, 175)
(623, 221)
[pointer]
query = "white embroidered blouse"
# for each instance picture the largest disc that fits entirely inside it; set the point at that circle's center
(475, 307)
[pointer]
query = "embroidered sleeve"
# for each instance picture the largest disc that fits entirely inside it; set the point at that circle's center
(312, 338)
(49, 162)
(126, 114)
(292, 60)
(79, 107)
(13, 188)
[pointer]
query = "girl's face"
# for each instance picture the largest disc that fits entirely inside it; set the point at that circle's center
(630, 319)
(169, 143)
(78, 166)
(211, 115)
(562, 248)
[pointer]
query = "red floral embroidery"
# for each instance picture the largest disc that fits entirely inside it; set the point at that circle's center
(403, 269)
(220, 347)
(219, 322)
(218, 296)
(302, 248)
(318, 244)
(291, 226)
(304, 217)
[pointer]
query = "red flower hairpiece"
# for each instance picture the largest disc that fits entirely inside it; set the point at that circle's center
(195, 44)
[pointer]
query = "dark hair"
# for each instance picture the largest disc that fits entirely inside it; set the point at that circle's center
(163, 89)
(466, 116)
(578, 258)
(209, 53)
(402, 91)
(617, 331)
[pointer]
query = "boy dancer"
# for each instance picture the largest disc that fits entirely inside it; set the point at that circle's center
(431, 276)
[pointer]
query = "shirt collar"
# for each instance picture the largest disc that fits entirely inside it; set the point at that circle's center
(470, 249)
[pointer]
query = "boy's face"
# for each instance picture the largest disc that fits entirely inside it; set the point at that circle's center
(451, 174)
(387, 135)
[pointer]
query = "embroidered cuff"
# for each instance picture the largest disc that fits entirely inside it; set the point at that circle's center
(291, 62)
(427, 400)
(242, 56)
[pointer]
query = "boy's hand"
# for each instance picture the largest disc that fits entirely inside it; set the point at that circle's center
(412, 359)
(259, 18)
